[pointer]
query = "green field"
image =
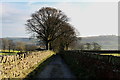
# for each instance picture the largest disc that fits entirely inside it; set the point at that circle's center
(6, 52)
(113, 54)
(10, 51)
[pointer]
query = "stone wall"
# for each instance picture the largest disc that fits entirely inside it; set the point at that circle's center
(18, 66)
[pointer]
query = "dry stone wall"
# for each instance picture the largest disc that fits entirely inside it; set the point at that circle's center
(18, 66)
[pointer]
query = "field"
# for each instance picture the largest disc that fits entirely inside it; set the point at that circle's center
(112, 54)
(6, 52)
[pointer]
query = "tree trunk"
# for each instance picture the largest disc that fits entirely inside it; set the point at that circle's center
(9, 48)
(50, 46)
(47, 45)
(66, 47)
(4, 48)
(13, 50)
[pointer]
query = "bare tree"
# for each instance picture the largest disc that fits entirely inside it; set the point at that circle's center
(81, 47)
(0, 44)
(88, 46)
(10, 45)
(30, 47)
(96, 46)
(64, 41)
(4, 44)
(47, 24)
(75, 45)
(20, 46)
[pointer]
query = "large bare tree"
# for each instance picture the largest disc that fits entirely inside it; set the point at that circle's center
(47, 24)
(64, 41)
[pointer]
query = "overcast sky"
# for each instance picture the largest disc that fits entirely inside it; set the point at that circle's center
(89, 17)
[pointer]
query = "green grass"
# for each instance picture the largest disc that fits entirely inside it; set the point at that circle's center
(113, 54)
(6, 52)
(10, 51)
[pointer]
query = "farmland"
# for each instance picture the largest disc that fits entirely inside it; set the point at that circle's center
(84, 64)
(47, 43)
(113, 54)
(10, 51)
(6, 52)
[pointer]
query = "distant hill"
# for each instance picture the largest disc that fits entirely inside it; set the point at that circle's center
(25, 40)
(109, 42)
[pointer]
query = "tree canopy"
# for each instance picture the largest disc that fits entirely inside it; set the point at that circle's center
(50, 24)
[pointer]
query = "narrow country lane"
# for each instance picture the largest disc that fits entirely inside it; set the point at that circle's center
(56, 69)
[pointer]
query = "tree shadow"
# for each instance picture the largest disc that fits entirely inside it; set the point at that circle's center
(33, 74)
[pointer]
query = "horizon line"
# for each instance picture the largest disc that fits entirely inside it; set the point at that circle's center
(77, 36)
